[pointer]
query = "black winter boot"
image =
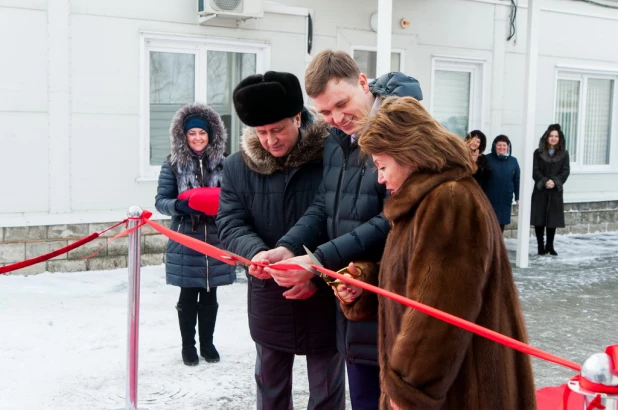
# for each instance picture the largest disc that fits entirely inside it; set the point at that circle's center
(187, 316)
(538, 230)
(207, 317)
(551, 232)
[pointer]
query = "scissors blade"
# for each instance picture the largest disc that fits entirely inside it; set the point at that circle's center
(235, 258)
(315, 261)
(313, 258)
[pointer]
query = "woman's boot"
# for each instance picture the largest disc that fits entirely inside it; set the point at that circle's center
(551, 232)
(187, 316)
(538, 230)
(207, 317)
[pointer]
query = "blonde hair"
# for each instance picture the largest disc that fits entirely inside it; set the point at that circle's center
(326, 66)
(404, 130)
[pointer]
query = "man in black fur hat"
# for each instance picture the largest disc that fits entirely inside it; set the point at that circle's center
(267, 186)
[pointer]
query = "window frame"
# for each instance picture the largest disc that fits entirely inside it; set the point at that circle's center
(399, 51)
(476, 68)
(185, 44)
(583, 74)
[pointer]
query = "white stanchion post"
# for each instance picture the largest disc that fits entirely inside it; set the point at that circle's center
(134, 263)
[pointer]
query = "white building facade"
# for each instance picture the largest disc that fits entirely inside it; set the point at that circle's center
(87, 91)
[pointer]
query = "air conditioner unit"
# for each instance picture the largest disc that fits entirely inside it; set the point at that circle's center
(238, 9)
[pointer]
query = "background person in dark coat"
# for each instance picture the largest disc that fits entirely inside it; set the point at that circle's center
(477, 143)
(502, 181)
(267, 187)
(197, 138)
(348, 204)
(550, 171)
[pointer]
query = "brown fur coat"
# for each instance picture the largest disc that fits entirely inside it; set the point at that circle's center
(445, 250)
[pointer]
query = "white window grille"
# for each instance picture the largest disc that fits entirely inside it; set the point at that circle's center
(585, 108)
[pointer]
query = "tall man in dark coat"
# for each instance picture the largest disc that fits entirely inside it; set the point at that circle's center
(348, 206)
(267, 186)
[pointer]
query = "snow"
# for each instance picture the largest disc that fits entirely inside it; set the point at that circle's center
(63, 335)
(63, 346)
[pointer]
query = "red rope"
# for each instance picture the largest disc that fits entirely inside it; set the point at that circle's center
(224, 256)
(47, 256)
(66, 249)
(454, 320)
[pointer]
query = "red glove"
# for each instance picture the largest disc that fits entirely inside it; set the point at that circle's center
(203, 199)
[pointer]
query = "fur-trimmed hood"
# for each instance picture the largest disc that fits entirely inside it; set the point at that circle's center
(182, 158)
(314, 131)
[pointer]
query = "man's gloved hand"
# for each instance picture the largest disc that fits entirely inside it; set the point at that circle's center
(183, 207)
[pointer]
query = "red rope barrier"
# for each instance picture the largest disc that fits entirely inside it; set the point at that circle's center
(232, 259)
(224, 256)
(454, 320)
(66, 249)
(47, 256)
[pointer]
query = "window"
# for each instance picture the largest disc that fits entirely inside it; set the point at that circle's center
(457, 92)
(585, 110)
(366, 58)
(184, 69)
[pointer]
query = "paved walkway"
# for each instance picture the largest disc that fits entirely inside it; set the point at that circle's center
(570, 301)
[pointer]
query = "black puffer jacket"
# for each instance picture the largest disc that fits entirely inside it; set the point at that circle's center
(547, 207)
(349, 205)
(262, 197)
(182, 171)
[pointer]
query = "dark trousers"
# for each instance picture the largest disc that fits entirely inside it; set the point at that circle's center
(364, 384)
(273, 375)
(190, 296)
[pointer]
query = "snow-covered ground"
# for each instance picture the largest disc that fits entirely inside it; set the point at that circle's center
(63, 335)
(63, 346)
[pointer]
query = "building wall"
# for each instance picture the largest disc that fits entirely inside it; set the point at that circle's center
(71, 99)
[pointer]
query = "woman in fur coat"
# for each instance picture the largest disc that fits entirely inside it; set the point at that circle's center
(197, 137)
(550, 170)
(445, 250)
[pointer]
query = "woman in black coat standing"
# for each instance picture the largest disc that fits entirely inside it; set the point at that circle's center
(550, 171)
(197, 138)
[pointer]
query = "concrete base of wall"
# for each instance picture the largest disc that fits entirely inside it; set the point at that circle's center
(20, 243)
(579, 218)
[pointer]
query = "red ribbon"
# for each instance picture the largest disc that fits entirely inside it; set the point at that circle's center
(47, 256)
(454, 320)
(224, 256)
(53, 254)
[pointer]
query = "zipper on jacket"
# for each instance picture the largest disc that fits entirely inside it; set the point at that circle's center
(182, 220)
(207, 266)
(201, 181)
(360, 183)
(338, 198)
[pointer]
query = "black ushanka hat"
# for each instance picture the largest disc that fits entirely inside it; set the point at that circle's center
(263, 99)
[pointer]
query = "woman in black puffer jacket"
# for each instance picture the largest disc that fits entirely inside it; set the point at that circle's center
(197, 138)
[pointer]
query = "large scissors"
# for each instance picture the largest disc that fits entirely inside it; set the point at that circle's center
(329, 280)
